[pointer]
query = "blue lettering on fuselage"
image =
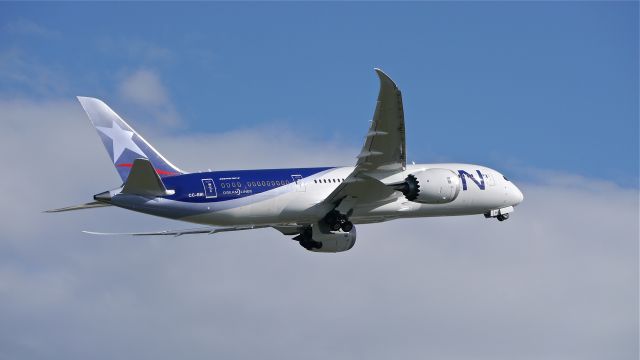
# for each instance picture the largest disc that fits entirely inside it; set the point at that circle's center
(464, 175)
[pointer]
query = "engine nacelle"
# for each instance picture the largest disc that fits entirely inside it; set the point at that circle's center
(335, 242)
(431, 186)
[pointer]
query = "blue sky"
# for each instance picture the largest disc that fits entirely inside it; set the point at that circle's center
(516, 86)
(546, 92)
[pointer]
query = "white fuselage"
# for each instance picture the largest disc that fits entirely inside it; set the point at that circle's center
(303, 202)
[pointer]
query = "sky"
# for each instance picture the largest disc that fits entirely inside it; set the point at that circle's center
(546, 93)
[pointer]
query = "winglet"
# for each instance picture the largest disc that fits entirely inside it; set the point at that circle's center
(384, 78)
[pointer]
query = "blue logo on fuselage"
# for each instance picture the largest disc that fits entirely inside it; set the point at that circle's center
(464, 175)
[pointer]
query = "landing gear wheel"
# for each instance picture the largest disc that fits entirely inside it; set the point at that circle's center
(502, 217)
(346, 226)
(335, 220)
(332, 218)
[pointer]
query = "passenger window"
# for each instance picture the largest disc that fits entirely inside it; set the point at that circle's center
(263, 184)
(239, 184)
(278, 182)
(233, 184)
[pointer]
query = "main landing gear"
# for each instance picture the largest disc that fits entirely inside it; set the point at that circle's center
(338, 221)
(333, 221)
(306, 241)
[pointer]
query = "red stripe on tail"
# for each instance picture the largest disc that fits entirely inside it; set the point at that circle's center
(160, 172)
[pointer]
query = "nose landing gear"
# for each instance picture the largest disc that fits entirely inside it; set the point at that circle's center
(502, 217)
(500, 214)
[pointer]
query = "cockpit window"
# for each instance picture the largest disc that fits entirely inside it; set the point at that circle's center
(504, 177)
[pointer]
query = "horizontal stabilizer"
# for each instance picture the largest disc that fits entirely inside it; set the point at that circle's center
(91, 205)
(144, 180)
(203, 230)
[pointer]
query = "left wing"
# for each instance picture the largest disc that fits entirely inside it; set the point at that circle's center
(202, 230)
(384, 149)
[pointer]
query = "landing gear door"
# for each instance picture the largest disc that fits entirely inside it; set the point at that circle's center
(298, 183)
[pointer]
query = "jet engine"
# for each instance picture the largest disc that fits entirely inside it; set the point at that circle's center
(431, 186)
(329, 242)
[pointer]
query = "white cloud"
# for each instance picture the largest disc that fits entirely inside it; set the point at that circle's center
(559, 280)
(144, 89)
(267, 147)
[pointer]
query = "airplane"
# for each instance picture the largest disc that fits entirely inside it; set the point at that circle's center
(318, 206)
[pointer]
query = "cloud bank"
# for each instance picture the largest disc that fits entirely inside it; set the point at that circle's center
(559, 280)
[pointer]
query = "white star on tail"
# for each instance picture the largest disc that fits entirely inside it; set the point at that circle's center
(122, 139)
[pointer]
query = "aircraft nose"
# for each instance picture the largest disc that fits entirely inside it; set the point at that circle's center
(517, 195)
